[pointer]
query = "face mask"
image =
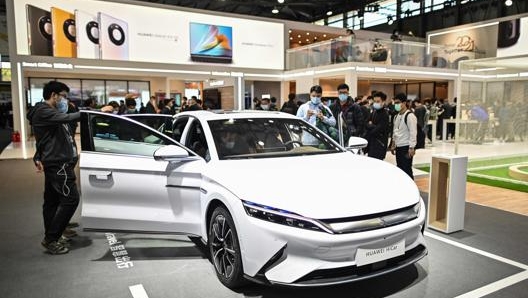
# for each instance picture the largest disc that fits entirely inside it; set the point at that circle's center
(264, 107)
(397, 107)
(376, 106)
(343, 97)
(315, 100)
(62, 105)
(230, 145)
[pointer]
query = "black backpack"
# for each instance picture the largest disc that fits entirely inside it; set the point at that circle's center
(420, 135)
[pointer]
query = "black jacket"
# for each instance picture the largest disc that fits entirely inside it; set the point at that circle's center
(55, 143)
(353, 116)
(378, 132)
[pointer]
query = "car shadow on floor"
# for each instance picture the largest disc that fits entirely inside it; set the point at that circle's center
(380, 286)
(174, 249)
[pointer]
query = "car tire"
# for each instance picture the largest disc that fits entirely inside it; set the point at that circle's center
(224, 249)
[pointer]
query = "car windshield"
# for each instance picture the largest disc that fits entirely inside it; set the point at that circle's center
(268, 137)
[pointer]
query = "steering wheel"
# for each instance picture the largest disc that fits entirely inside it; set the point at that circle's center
(291, 142)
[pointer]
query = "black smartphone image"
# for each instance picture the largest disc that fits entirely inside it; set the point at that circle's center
(40, 30)
(509, 33)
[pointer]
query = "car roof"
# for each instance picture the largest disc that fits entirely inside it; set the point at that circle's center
(223, 114)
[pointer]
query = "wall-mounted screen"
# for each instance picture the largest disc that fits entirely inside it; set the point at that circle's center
(211, 43)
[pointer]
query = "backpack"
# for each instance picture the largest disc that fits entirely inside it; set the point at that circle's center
(420, 135)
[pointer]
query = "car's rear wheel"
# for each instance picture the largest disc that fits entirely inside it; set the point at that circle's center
(225, 249)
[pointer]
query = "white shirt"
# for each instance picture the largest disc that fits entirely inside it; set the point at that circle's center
(302, 112)
(404, 134)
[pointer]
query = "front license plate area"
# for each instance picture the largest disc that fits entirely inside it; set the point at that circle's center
(374, 255)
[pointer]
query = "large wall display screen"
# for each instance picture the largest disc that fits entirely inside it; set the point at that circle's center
(112, 31)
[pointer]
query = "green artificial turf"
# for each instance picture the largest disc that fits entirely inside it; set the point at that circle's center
(501, 172)
(501, 184)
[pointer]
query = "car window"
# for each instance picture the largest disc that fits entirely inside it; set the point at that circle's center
(161, 123)
(266, 137)
(119, 135)
(196, 140)
(178, 127)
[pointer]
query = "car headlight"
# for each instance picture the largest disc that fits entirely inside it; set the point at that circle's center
(283, 217)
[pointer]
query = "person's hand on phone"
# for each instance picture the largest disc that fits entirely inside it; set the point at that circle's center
(310, 113)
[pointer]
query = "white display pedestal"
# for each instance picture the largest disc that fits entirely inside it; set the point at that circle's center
(447, 193)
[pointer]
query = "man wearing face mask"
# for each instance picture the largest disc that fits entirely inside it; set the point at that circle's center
(56, 156)
(314, 112)
(404, 134)
(352, 115)
(378, 127)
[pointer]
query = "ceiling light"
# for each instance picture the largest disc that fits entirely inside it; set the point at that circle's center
(307, 40)
(315, 38)
(280, 1)
(299, 36)
(291, 38)
(324, 35)
(307, 33)
(300, 41)
(275, 10)
(289, 31)
(329, 13)
(508, 2)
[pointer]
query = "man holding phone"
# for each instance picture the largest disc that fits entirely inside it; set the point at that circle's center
(404, 134)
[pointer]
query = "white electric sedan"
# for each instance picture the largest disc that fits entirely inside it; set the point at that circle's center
(275, 199)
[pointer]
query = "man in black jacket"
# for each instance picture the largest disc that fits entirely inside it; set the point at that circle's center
(56, 156)
(378, 127)
(354, 122)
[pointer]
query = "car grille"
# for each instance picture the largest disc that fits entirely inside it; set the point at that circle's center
(353, 273)
(372, 221)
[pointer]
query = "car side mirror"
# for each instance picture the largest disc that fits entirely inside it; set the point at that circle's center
(172, 153)
(356, 143)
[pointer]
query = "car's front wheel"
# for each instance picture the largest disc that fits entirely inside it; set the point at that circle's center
(225, 249)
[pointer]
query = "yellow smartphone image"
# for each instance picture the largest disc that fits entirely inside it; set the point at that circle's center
(64, 43)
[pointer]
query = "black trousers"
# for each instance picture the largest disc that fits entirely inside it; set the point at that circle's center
(404, 161)
(61, 198)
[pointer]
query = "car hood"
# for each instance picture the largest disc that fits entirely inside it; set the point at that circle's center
(318, 186)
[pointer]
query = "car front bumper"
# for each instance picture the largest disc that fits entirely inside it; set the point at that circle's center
(278, 254)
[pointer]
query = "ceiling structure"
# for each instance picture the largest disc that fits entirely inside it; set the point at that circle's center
(294, 10)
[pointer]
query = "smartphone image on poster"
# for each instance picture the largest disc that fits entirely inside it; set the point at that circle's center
(40, 31)
(87, 33)
(113, 38)
(211, 43)
(64, 44)
(509, 33)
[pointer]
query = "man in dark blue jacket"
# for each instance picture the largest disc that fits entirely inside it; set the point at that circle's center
(56, 156)
(353, 120)
(378, 128)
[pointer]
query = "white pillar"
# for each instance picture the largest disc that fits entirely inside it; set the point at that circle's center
(351, 79)
(303, 84)
(18, 99)
(239, 93)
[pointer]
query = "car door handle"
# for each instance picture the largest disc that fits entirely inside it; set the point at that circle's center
(101, 175)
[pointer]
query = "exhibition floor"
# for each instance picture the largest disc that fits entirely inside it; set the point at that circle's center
(487, 258)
